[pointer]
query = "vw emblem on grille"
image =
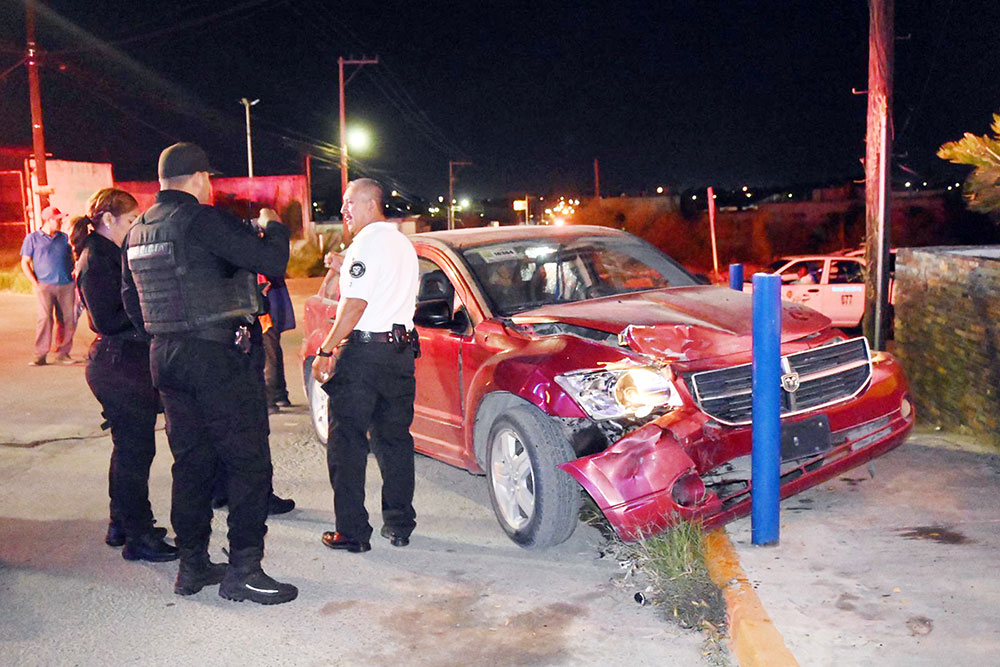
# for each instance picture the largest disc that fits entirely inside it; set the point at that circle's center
(790, 382)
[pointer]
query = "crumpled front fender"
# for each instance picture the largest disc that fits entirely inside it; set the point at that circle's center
(632, 482)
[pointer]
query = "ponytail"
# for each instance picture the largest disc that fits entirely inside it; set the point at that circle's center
(80, 229)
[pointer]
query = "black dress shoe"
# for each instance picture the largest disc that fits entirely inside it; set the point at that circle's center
(283, 402)
(116, 534)
(276, 505)
(337, 541)
(395, 539)
(148, 547)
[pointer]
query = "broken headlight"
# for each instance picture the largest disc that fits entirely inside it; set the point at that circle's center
(626, 392)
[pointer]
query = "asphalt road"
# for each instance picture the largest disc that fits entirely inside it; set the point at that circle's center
(460, 594)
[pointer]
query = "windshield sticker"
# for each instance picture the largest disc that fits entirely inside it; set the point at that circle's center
(491, 255)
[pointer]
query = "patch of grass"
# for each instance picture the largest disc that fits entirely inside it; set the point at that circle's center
(673, 566)
(12, 279)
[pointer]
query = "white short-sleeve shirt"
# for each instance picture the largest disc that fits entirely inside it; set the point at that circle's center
(381, 268)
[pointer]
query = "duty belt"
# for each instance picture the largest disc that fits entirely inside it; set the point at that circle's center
(237, 336)
(358, 336)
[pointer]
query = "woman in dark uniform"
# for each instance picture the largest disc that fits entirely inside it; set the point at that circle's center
(118, 374)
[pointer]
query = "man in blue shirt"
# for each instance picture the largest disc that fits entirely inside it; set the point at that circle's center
(47, 260)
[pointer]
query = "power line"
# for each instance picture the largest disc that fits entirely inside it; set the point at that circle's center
(6, 72)
(184, 25)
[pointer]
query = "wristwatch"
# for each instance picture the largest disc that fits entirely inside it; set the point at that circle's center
(321, 353)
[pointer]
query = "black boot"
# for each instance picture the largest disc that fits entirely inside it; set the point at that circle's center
(245, 580)
(276, 505)
(148, 547)
(197, 571)
(116, 534)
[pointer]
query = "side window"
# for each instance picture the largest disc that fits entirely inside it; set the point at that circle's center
(846, 271)
(434, 284)
(803, 272)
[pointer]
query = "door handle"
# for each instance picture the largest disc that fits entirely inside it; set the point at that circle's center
(814, 290)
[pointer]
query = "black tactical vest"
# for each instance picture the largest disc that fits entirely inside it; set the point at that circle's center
(182, 287)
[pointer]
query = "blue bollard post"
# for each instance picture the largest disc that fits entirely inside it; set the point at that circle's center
(736, 277)
(765, 458)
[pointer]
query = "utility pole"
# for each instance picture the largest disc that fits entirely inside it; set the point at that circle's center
(878, 182)
(451, 190)
(247, 104)
(343, 115)
(35, 95)
(597, 180)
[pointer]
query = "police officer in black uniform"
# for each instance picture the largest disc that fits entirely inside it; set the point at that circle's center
(372, 385)
(189, 280)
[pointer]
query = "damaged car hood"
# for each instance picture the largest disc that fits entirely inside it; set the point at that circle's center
(681, 323)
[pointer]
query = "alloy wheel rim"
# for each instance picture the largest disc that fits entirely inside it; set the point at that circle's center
(513, 479)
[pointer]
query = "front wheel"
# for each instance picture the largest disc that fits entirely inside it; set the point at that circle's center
(319, 404)
(537, 504)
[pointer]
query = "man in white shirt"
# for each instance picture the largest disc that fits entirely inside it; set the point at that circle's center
(372, 384)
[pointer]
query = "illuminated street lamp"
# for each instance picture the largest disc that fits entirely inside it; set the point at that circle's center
(359, 140)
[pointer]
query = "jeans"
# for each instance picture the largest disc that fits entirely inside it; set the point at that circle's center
(56, 304)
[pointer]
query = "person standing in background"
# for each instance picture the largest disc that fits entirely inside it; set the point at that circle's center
(279, 318)
(47, 261)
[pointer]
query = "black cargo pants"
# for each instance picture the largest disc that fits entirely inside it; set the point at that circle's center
(214, 411)
(372, 388)
(118, 374)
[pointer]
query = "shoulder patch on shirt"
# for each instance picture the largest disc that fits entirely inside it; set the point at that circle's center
(357, 269)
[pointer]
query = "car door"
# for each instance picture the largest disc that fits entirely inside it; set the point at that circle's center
(800, 282)
(438, 414)
(844, 294)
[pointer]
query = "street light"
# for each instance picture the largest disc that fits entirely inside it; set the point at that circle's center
(247, 104)
(359, 139)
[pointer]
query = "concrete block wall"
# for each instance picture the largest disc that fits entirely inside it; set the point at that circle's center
(947, 334)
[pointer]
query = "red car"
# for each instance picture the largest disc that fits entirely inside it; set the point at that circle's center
(561, 355)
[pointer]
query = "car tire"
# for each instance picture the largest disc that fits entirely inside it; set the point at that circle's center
(537, 504)
(319, 403)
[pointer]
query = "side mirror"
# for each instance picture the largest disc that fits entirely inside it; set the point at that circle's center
(435, 313)
(460, 322)
(788, 277)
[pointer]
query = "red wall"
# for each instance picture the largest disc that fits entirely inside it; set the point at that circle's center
(244, 197)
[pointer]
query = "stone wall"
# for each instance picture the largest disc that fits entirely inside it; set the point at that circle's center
(947, 333)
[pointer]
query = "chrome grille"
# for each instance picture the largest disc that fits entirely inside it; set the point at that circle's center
(827, 375)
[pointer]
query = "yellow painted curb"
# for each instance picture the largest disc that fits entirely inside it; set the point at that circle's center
(753, 638)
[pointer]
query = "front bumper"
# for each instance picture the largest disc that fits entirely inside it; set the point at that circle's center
(633, 480)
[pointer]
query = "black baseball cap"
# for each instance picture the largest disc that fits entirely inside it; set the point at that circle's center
(182, 159)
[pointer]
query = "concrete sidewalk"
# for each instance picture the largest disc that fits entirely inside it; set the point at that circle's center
(895, 569)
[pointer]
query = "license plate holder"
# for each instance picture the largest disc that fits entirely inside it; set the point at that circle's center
(805, 438)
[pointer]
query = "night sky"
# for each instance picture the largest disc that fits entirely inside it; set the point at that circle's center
(680, 94)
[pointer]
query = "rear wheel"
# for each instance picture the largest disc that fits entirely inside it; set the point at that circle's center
(537, 504)
(319, 403)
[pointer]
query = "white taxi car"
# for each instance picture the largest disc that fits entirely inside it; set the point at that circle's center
(832, 284)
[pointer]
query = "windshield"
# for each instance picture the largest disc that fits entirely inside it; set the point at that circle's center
(520, 275)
